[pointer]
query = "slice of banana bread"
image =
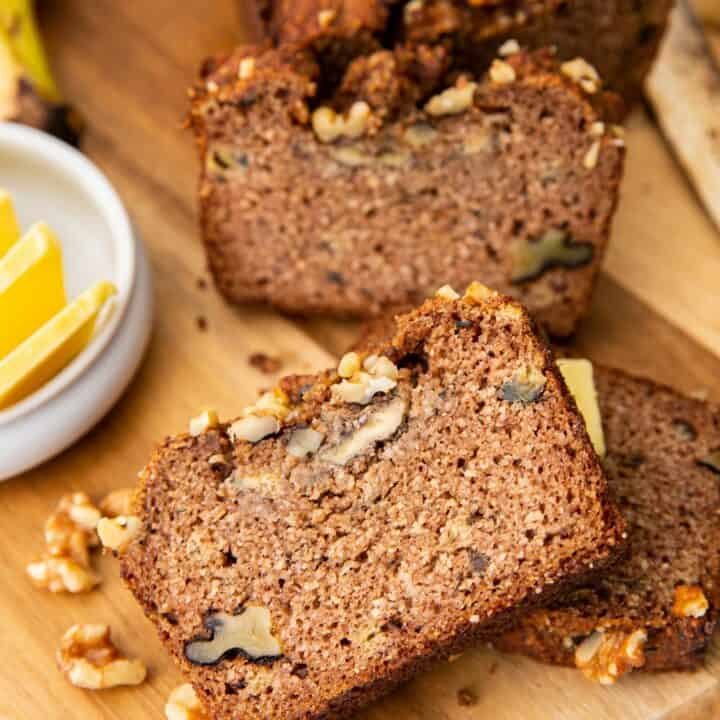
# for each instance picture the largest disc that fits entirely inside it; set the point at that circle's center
(354, 526)
(620, 38)
(657, 608)
(402, 179)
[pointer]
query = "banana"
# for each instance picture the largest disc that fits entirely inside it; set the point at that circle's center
(28, 93)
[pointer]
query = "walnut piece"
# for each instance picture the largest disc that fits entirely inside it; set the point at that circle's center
(526, 386)
(509, 47)
(606, 656)
(118, 532)
(202, 422)
(247, 634)
(502, 73)
(70, 530)
(304, 441)
(592, 156)
(261, 419)
(246, 68)
(690, 601)
(452, 101)
(478, 293)
(184, 704)
(554, 249)
(118, 502)
(89, 659)
(61, 574)
(329, 126)
(378, 375)
(583, 73)
(382, 424)
(447, 293)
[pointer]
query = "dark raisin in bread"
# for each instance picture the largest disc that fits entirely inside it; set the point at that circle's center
(419, 180)
(356, 525)
(659, 606)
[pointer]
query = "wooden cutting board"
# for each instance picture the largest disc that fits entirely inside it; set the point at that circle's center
(656, 311)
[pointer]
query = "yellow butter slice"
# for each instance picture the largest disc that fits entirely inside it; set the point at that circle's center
(32, 288)
(578, 376)
(53, 346)
(9, 228)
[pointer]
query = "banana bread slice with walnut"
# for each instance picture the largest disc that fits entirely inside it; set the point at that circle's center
(354, 526)
(657, 608)
(401, 179)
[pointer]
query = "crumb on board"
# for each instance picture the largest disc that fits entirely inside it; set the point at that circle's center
(265, 363)
(467, 697)
(201, 283)
(201, 322)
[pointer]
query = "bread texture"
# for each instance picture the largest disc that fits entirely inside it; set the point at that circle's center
(349, 196)
(357, 525)
(620, 38)
(662, 463)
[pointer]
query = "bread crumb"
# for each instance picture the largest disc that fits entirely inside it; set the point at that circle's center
(266, 364)
(467, 697)
(201, 322)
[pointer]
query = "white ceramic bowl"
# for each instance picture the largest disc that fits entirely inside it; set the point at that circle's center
(53, 182)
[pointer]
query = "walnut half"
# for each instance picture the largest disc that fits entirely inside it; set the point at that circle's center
(247, 634)
(554, 249)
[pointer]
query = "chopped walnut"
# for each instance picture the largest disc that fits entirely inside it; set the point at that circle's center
(70, 530)
(597, 129)
(606, 656)
(690, 601)
(118, 532)
(380, 425)
(478, 293)
(447, 293)
(360, 385)
(329, 126)
(118, 502)
(304, 441)
(261, 419)
(590, 160)
(583, 73)
(502, 72)
(89, 659)
(204, 421)
(62, 574)
(452, 101)
(509, 47)
(184, 704)
(246, 68)
(326, 18)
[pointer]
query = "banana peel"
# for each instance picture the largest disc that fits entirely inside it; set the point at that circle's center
(28, 93)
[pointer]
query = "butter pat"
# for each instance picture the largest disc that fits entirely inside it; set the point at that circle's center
(53, 346)
(578, 376)
(32, 289)
(9, 228)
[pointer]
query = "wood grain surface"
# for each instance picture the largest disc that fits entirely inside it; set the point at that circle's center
(657, 311)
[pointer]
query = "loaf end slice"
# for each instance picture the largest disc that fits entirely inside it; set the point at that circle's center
(371, 193)
(354, 526)
(657, 608)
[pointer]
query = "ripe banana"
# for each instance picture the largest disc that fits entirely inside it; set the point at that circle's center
(28, 93)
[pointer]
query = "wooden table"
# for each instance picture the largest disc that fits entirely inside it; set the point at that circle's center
(657, 311)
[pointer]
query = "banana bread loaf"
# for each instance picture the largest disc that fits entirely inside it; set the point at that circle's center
(353, 526)
(657, 608)
(619, 38)
(403, 177)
